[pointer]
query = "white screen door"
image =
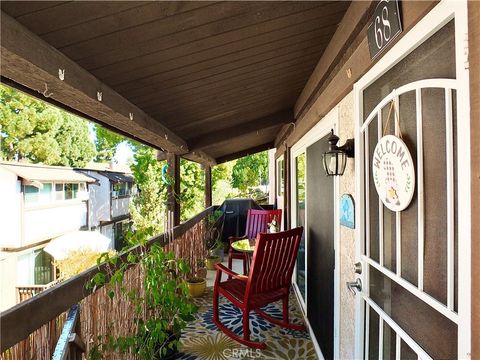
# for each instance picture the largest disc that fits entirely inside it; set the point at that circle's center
(414, 300)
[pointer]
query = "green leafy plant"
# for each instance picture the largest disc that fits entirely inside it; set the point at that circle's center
(162, 308)
(213, 230)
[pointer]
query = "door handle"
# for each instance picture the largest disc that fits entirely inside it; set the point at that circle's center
(352, 285)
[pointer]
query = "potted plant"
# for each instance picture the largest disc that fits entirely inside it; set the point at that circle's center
(162, 308)
(197, 282)
(212, 259)
(196, 286)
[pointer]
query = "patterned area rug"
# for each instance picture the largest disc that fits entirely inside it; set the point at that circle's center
(202, 340)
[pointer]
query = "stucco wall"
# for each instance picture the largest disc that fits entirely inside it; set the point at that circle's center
(99, 200)
(10, 210)
(347, 238)
(8, 279)
(45, 222)
(120, 207)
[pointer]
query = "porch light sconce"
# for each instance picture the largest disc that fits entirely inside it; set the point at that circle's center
(335, 160)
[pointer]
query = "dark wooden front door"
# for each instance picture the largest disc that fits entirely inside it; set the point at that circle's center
(320, 252)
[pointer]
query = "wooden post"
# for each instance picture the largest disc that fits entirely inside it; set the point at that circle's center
(474, 64)
(287, 190)
(173, 204)
(208, 186)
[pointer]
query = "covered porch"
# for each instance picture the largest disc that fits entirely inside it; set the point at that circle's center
(212, 82)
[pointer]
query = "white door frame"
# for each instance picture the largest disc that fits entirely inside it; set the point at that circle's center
(320, 130)
(431, 23)
(278, 184)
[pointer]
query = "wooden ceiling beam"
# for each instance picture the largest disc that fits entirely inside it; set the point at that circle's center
(200, 157)
(197, 156)
(242, 153)
(228, 134)
(28, 60)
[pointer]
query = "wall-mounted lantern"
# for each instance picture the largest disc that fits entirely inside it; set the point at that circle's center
(335, 160)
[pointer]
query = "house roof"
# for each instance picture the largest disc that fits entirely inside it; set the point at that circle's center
(108, 167)
(42, 173)
(211, 79)
(117, 177)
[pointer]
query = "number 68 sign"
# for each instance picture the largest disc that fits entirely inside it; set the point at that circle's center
(384, 26)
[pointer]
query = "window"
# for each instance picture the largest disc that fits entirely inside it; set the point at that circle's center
(122, 189)
(71, 191)
(52, 192)
(35, 268)
(45, 195)
(30, 194)
(34, 195)
(59, 195)
(280, 178)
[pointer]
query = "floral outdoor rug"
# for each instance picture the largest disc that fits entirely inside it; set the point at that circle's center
(204, 341)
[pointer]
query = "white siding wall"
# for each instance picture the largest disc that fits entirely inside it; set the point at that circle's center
(107, 230)
(120, 206)
(10, 210)
(8, 279)
(271, 176)
(43, 223)
(99, 201)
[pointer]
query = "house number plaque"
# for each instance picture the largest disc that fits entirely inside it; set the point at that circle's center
(384, 27)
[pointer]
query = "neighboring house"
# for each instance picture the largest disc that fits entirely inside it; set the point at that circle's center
(108, 210)
(39, 203)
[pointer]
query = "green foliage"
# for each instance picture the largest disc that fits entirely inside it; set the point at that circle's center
(33, 130)
(250, 171)
(192, 189)
(222, 182)
(106, 143)
(162, 308)
(213, 230)
(147, 208)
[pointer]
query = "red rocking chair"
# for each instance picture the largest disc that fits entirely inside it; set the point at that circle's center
(269, 280)
(257, 222)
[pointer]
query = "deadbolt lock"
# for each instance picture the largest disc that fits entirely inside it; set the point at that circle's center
(357, 268)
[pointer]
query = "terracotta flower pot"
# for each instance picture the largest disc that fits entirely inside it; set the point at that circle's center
(196, 287)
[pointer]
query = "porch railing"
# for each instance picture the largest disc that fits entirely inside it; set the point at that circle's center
(32, 328)
(28, 291)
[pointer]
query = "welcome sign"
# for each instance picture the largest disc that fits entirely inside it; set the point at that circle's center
(393, 173)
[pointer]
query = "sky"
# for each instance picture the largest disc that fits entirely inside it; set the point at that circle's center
(123, 154)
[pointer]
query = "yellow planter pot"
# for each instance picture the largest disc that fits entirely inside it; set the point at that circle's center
(197, 289)
(211, 262)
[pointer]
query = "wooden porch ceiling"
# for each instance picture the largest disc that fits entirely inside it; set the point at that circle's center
(221, 76)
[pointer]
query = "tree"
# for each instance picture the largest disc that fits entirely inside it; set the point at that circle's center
(222, 182)
(148, 209)
(250, 171)
(192, 189)
(33, 130)
(106, 143)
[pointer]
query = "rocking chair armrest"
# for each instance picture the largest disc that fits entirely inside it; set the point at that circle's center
(223, 268)
(236, 238)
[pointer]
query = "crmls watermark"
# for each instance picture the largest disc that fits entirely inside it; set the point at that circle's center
(242, 353)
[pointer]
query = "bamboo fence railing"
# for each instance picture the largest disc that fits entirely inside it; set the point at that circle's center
(100, 315)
